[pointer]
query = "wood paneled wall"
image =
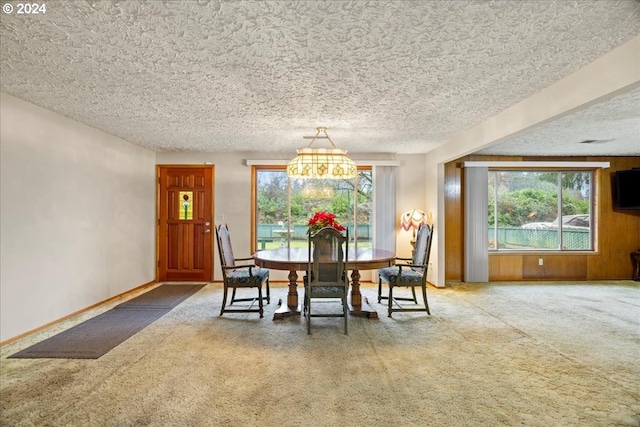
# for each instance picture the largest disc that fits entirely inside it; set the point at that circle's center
(617, 234)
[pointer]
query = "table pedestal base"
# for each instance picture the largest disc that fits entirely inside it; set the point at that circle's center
(292, 308)
(297, 259)
(364, 310)
(285, 311)
(356, 305)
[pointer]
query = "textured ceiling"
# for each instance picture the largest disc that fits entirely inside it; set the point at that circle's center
(383, 76)
(611, 127)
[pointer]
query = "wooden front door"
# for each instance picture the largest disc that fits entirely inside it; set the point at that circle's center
(185, 223)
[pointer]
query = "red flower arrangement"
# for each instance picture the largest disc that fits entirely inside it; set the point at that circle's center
(323, 219)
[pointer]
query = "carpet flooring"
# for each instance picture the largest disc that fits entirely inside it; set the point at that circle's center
(93, 338)
(518, 354)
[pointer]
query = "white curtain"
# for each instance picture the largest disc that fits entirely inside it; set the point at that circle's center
(476, 239)
(384, 207)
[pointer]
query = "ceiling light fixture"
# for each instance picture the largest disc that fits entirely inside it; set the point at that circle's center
(322, 163)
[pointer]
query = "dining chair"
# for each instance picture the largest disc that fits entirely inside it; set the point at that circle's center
(237, 274)
(326, 276)
(409, 273)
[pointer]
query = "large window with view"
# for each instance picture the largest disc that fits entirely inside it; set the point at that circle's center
(283, 206)
(540, 210)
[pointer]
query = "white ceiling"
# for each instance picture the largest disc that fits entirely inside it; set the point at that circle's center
(383, 76)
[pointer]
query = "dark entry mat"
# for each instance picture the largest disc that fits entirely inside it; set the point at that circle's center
(98, 335)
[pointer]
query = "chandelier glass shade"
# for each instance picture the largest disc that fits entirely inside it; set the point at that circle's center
(322, 163)
(317, 192)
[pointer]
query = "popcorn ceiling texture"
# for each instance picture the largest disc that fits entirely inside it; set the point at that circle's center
(399, 76)
(614, 125)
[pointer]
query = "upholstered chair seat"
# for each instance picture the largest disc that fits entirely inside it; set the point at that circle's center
(408, 273)
(240, 273)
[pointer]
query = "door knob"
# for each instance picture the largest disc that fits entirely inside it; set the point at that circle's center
(207, 231)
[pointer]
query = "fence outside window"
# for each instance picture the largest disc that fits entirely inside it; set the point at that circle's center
(517, 238)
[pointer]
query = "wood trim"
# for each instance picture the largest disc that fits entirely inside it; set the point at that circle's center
(254, 193)
(254, 206)
(254, 198)
(213, 211)
(77, 313)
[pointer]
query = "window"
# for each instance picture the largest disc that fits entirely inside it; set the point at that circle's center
(283, 207)
(540, 210)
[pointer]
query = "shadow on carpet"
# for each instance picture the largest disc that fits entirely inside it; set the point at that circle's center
(96, 336)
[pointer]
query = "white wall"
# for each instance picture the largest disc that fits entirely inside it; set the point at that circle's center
(77, 216)
(410, 195)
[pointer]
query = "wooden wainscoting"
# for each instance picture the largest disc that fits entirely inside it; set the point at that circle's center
(505, 267)
(617, 235)
(568, 267)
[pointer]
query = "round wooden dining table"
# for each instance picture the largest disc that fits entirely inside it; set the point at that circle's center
(297, 259)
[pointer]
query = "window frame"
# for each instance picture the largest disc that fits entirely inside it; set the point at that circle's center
(593, 223)
(255, 169)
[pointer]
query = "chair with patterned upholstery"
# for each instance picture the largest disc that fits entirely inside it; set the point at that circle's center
(237, 274)
(326, 276)
(409, 273)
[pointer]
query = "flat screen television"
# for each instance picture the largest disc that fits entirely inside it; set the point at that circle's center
(628, 189)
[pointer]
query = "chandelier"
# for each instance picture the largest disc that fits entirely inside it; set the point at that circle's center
(322, 163)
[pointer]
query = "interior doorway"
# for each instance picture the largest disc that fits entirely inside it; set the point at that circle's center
(185, 223)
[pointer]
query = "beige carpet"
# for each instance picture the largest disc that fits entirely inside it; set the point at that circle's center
(490, 355)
